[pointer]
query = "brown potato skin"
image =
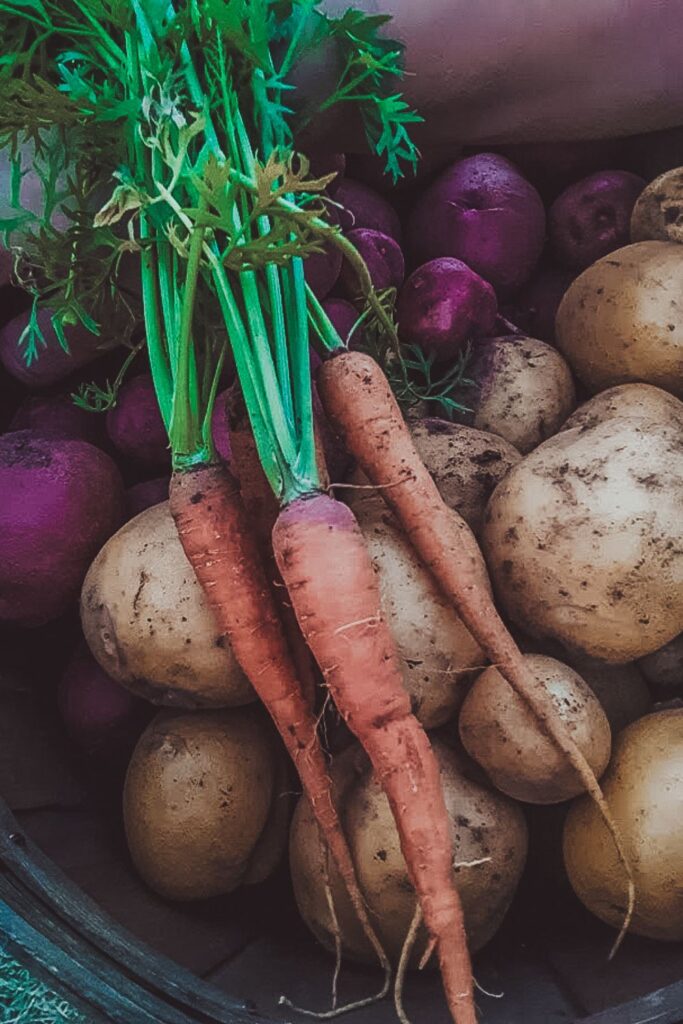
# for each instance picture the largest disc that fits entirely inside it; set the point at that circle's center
(584, 539)
(633, 401)
(658, 213)
(621, 689)
(644, 789)
(502, 735)
(525, 390)
(622, 319)
(466, 464)
(436, 650)
(147, 623)
(484, 824)
(198, 796)
(664, 668)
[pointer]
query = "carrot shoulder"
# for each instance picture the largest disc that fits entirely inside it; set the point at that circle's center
(324, 561)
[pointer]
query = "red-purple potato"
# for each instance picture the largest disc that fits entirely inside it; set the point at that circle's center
(344, 317)
(482, 211)
(56, 417)
(135, 426)
(324, 163)
(53, 363)
(535, 307)
(444, 304)
(593, 217)
(100, 716)
(220, 426)
(59, 502)
(146, 494)
(363, 207)
(383, 258)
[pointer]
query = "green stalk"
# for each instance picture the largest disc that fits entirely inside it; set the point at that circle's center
(158, 361)
(185, 431)
(301, 368)
(273, 284)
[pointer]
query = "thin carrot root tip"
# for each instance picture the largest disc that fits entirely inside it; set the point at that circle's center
(360, 405)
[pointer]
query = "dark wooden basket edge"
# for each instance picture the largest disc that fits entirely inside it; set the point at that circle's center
(38, 903)
(57, 917)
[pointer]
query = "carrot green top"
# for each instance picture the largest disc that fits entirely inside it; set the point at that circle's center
(179, 121)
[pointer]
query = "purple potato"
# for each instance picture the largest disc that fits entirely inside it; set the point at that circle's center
(593, 217)
(146, 494)
(444, 304)
(535, 307)
(482, 211)
(344, 316)
(220, 426)
(101, 717)
(53, 363)
(363, 207)
(383, 257)
(56, 417)
(135, 426)
(59, 502)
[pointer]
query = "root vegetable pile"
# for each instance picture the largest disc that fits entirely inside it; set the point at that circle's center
(379, 477)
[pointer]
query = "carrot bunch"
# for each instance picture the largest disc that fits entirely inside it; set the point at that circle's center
(194, 102)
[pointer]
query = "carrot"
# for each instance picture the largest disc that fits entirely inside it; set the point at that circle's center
(361, 406)
(262, 509)
(323, 559)
(215, 533)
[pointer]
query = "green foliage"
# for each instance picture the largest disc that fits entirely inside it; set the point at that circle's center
(178, 119)
(414, 376)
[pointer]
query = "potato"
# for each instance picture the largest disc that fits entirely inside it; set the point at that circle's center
(664, 668)
(584, 538)
(487, 828)
(466, 465)
(644, 789)
(500, 732)
(198, 798)
(435, 648)
(147, 622)
(524, 390)
(658, 213)
(621, 689)
(621, 320)
(641, 401)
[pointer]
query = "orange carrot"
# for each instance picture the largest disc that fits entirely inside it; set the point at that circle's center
(215, 533)
(262, 509)
(324, 561)
(361, 406)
